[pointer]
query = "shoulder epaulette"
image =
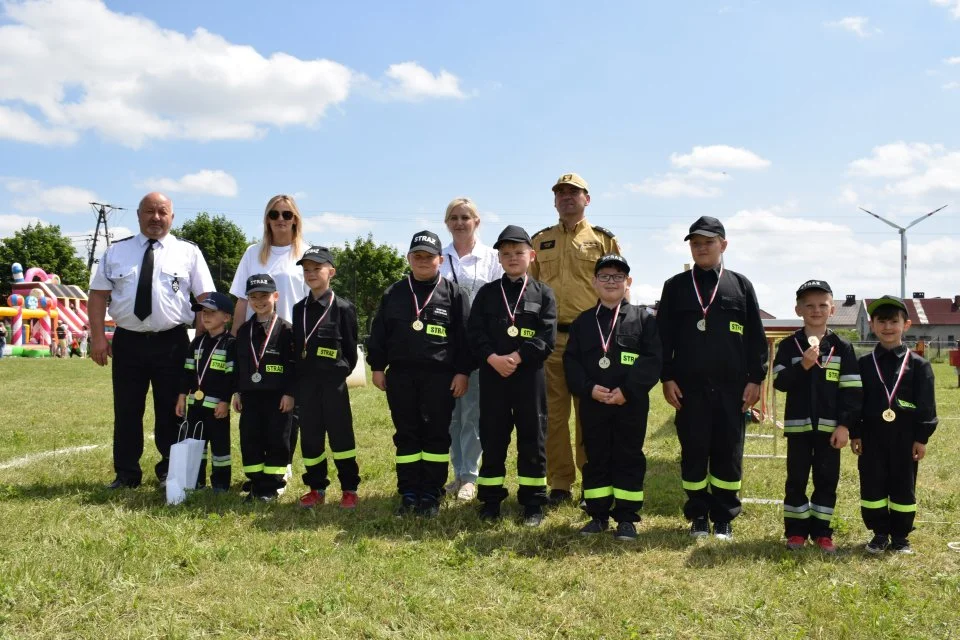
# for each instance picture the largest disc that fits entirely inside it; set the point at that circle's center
(605, 232)
(541, 231)
(123, 239)
(188, 241)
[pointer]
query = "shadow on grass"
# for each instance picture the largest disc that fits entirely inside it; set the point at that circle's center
(709, 553)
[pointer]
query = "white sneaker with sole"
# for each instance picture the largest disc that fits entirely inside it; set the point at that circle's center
(468, 491)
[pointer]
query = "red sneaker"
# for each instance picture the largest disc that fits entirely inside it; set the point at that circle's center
(796, 542)
(826, 544)
(349, 500)
(312, 499)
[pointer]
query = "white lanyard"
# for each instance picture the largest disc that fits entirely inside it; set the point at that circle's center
(713, 295)
(513, 314)
(307, 336)
(605, 342)
(416, 304)
(829, 357)
(896, 385)
(266, 341)
(200, 374)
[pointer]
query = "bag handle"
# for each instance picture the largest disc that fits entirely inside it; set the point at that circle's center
(184, 427)
(195, 427)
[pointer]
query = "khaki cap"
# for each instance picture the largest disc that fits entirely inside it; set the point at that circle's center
(574, 179)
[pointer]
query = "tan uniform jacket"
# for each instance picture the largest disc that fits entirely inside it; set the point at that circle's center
(565, 261)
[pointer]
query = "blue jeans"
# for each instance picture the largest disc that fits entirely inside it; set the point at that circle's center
(465, 447)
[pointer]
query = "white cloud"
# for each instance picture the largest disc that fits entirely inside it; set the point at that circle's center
(206, 181)
(335, 222)
(9, 223)
(950, 86)
(719, 156)
(673, 185)
(893, 160)
(854, 24)
(849, 196)
(952, 60)
(942, 173)
(73, 66)
(30, 196)
(917, 168)
(953, 5)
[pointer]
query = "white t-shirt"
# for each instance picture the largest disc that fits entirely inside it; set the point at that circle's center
(480, 266)
(282, 266)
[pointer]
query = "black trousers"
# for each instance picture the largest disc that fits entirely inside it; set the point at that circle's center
(711, 429)
(325, 412)
(888, 480)
(264, 440)
(519, 400)
(613, 437)
(142, 360)
(421, 405)
(805, 452)
(216, 432)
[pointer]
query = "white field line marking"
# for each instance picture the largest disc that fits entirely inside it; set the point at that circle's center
(33, 457)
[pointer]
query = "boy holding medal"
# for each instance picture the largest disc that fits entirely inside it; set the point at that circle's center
(612, 361)
(512, 329)
(265, 397)
(207, 385)
(325, 340)
(899, 416)
(714, 359)
(819, 372)
(420, 357)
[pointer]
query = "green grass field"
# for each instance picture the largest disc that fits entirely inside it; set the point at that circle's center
(78, 561)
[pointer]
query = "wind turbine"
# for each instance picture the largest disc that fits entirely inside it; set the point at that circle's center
(903, 243)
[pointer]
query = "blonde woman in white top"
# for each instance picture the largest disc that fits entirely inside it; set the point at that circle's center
(471, 264)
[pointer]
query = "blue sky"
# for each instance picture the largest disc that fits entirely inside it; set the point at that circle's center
(779, 119)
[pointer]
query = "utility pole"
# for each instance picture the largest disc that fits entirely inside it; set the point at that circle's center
(903, 243)
(101, 212)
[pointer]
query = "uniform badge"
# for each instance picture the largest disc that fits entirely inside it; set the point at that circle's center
(548, 244)
(175, 285)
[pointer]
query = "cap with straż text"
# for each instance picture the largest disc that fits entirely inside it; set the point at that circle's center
(814, 285)
(261, 282)
(317, 254)
(611, 260)
(425, 241)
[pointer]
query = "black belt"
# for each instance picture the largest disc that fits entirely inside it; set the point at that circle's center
(154, 334)
(563, 328)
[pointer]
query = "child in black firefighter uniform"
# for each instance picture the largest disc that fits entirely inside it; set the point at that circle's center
(612, 361)
(206, 387)
(818, 370)
(325, 341)
(714, 360)
(512, 329)
(265, 383)
(419, 355)
(899, 416)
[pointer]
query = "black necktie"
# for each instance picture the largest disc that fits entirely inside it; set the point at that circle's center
(143, 305)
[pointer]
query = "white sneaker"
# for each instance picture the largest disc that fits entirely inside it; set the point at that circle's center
(288, 474)
(452, 487)
(468, 491)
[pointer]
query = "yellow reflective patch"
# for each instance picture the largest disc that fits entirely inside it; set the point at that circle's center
(436, 330)
(832, 375)
(627, 358)
(324, 352)
(218, 365)
(274, 368)
(905, 404)
(527, 333)
(736, 327)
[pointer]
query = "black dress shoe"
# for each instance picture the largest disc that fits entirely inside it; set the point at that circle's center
(558, 497)
(120, 483)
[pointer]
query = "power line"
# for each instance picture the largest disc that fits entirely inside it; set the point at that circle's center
(102, 212)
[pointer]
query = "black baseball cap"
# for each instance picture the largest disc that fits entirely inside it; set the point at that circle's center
(512, 233)
(425, 241)
(814, 285)
(216, 301)
(611, 260)
(261, 282)
(706, 226)
(886, 301)
(317, 254)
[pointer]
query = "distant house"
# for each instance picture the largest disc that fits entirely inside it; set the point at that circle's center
(766, 315)
(847, 311)
(932, 319)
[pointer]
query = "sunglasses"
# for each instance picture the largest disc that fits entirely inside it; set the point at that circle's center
(273, 214)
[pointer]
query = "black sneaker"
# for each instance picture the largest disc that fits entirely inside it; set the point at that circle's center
(558, 497)
(489, 511)
(700, 527)
(901, 545)
(532, 515)
(428, 508)
(246, 486)
(594, 527)
(408, 503)
(723, 530)
(120, 483)
(626, 531)
(878, 544)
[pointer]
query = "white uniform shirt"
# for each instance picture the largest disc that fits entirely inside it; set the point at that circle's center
(282, 267)
(480, 266)
(178, 270)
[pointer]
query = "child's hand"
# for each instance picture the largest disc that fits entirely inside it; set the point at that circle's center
(237, 404)
(222, 410)
(286, 404)
(600, 394)
(617, 397)
(751, 395)
(672, 394)
(919, 450)
(856, 445)
(181, 409)
(810, 357)
(459, 385)
(504, 365)
(840, 437)
(380, 380)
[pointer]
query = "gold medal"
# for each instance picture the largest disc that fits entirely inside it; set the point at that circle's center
(702, 324)
(813, 341)
(198, 395)
(889, 415)
(604, 362)
(417, 325)
(512, 331)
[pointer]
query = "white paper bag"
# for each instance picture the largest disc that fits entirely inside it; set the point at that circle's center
(185, 457)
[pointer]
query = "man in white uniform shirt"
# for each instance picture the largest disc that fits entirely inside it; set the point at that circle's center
(148, 279)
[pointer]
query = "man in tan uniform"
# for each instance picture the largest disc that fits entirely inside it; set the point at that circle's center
(566, 255)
